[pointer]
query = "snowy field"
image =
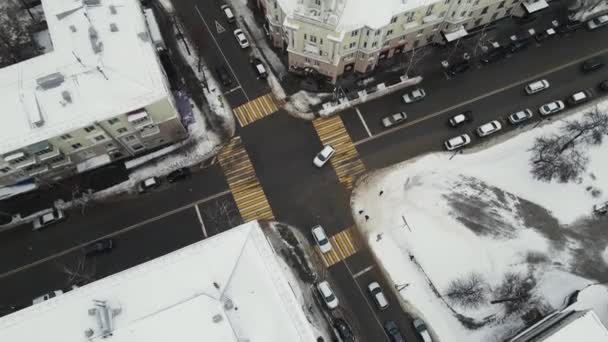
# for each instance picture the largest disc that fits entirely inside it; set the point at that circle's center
(455, 234)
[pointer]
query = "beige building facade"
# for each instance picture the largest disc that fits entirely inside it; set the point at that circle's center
(340, 36)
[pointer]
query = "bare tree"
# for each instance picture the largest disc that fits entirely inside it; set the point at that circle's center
(222, 214)
(411, 59)
(81, 272)
(468, 291)
(562, 156)
(14, 33)
(515, 291)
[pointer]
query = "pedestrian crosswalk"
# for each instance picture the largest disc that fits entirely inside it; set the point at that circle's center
(343, 245)
(346, 160)
(243, 182)
(256, 109)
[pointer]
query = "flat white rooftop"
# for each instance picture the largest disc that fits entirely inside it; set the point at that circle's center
(356, 14)
(103, 64)
(587, 327)
(229, 287)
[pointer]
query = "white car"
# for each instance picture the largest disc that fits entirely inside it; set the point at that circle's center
(461, 118)
(537, 86)
(241, 38)
(378, 295)
(421, 329)
(415, 96)
(551, 107)
(53, 216)
(328, 296)
(322, 157)
(47, 296)
(520, 116)
(457, 142)
(489, 128)
(318, 233)
(148, 184)
(600, 209)
(579, 97)
(598, 22)
(394, 119)
(228, 13)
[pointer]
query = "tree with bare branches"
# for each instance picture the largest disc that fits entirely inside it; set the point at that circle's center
(562, 155)
(15, 38)
(468, 291)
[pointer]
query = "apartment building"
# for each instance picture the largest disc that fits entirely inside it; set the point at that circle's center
(340, 36)
(99, 96)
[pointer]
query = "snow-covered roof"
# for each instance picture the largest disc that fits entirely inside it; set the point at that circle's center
(228, 287)
(355, 14)
(103, 64)
(587, 325)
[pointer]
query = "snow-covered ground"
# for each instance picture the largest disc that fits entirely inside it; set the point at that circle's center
(481, 220)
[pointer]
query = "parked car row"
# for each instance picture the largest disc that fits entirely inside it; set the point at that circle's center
(154, 182)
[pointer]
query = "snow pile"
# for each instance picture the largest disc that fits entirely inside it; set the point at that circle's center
(456, 233)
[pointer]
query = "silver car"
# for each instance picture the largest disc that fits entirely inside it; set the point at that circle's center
(551, 108)
(415, 96)
(520, 116)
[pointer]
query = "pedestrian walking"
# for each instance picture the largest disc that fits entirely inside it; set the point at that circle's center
(381, 192)
(366, 217)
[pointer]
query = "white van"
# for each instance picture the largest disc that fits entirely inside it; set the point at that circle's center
(536, 87)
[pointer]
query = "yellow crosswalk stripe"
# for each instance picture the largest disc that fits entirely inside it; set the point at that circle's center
(343, 245)
(346, 161)
(246, 189)
(256, 109)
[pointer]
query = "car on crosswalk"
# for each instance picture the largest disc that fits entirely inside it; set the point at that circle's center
(414, 96)
(323, 156)
(241, 38)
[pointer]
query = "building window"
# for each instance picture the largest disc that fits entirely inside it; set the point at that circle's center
(374, 44)
(420, 32)
(318, 2)
(494, 16)
(367, 33)
(393, 20)
(313, 39)
(100, 137)
(121, 130)
(46, 150)
(416, 43)
(57, 159)
(304, 36)
(377, 33)
(442, 14)
(364, 45)
(354, 33)
(129, 138)
(5, 169)
(389, 32)
(276, 17)
(508, 11)
(410, 16)
(76, 146)
(66, 137)
(429, 10)
(429, 39)
(485, 10)
(447, 2)
(501, 4)
(89, 129)
(385, 44)
(477, 22)
(137, 147)
(113, 121)
(110, 146)
(352, 45)
(463, 13)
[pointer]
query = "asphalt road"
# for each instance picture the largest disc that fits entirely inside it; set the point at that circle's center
(281, 149)
(491, 91)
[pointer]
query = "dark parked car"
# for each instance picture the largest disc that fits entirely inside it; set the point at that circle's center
(459, 68)
(392, 330)
(592, 64)
(494, 55)
(519, 45)
(344, 330)
(604, 85)
(570, 27)
(223, 75)
(178, 174)
(99, 247)
(259, 68)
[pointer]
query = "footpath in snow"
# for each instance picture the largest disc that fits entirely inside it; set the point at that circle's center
(478, 247)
